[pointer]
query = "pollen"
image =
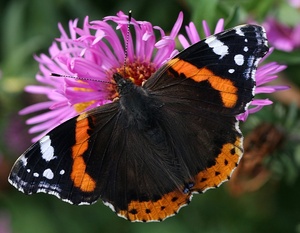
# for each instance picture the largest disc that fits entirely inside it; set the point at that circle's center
(81, 107)
(137, 71)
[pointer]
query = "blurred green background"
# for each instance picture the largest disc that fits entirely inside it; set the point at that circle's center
(28, 27)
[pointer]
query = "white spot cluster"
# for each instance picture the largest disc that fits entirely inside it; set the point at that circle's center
(53, 189)
(48, 173)
(18, 183)
(239, 59)
(47, 150)
(217, 46)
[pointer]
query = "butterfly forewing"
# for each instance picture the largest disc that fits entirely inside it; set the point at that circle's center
(60, 163)
(216, 74)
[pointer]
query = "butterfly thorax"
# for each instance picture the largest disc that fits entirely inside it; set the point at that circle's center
(136, 104)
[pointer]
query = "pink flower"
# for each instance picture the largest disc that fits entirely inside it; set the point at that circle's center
(264, 74)
(282, 37)
(94, 53)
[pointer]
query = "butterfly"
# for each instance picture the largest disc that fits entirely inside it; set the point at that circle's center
(146, 153)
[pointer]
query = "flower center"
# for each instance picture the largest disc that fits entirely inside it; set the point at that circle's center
(137, 72)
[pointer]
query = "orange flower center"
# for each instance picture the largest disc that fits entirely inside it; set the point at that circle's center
(137, 72)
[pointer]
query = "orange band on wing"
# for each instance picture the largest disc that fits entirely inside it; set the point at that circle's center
(166, 206)
(171, 202)
(226, 87)
(79, 176)
(226, 162)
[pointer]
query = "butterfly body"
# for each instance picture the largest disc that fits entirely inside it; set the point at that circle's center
(146, 153)
(137, 107)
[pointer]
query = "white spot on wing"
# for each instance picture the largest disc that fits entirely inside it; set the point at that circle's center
(239, 59)
(62, 172)
(217, 46)
(47, 150)
(48, 174)
(52, 189)
(36, 174)
(18, 183)
(239, 31)
(246, 49)
(111, 207)
(23, 159)
(231, 71)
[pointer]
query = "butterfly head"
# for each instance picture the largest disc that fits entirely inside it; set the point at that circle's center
(124, 85)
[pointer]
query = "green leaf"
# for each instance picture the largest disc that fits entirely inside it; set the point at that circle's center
(288, 15)
(204, 10)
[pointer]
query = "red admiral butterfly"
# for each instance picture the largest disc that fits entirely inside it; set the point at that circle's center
(149, 151)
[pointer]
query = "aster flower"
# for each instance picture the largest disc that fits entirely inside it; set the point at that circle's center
(95, 52)
(281, 36)
(264, 74)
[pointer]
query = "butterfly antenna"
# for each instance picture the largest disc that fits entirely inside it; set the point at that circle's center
(101, 81)
(79, 78)
(126, 42)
